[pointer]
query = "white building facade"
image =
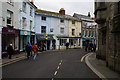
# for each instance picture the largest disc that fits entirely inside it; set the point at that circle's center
(17, 22)
(8, 22)
(26, 22)
(51, 29)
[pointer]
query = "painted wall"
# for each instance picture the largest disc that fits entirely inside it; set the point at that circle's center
(54, 23)
(77, 27)
(26, 15)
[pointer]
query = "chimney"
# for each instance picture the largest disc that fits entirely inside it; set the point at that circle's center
(32, 1)
(89, 14)
(62, 11)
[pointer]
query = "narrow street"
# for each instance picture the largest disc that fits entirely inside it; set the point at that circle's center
(51, 64)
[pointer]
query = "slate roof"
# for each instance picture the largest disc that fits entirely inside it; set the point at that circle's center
(55, 14)
(82, 17)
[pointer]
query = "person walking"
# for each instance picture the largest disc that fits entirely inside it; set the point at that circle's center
(28, 49)
(30, 46)
(35, 49)
(91, 46)
(10, 51)
(94, 47)
(86, 46)
(67, 45)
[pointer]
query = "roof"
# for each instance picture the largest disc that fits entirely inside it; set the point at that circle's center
(83, 17)
(55, 14)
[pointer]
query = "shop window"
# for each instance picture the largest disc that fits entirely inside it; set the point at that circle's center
(43, 18)
(63, 42)
(43, 29)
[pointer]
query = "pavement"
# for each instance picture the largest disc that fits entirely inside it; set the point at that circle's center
(96, 65)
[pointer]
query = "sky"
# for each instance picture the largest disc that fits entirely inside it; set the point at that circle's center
(70, 6)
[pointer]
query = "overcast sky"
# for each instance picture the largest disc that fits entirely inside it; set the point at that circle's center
(71, 6)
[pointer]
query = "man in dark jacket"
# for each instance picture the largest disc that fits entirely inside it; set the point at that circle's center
(28, 50)
(67, 45)
(10, 51)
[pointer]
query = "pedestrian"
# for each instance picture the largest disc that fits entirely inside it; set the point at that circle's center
(86, 46)
(30, 46)
(44, 45)
(67, 45)
(10, 51)
(91, 46)
(35, 49)
(28, 49)
(94, 47)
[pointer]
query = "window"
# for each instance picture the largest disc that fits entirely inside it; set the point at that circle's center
(51, 29)
(30, 25)
(9, 18)
(62, 30)
(73, 22)
(83, 32)
(43, 29)
(31, 11)
(89, 33)
(24, 22)
(43, 18)
(24, 7)
(73, 31)
(10, 2)
(62, 21)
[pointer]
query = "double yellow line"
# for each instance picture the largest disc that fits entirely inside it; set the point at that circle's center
(12, 61)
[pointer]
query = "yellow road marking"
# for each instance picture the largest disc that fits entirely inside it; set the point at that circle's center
(83, 57)
(12, 61)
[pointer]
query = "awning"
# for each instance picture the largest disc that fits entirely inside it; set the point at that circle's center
(69, 37)
(44, 37)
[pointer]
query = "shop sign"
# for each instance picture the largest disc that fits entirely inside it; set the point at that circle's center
(7, 30)
(25, 32)
(22, 32)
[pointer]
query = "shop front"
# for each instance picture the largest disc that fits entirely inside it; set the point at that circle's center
(45, 41)
(24, 39)
(0, 41)
(10, 36)
(73, 42)
(87, 39)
